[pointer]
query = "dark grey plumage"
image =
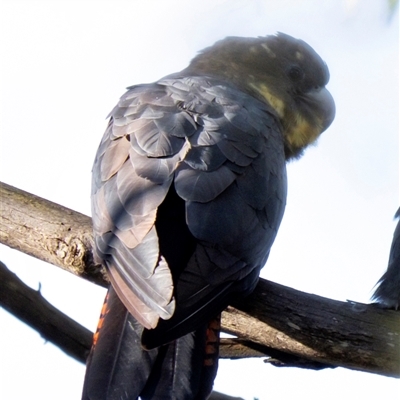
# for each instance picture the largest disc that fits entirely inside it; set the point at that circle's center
(213, 142)
(189, 189)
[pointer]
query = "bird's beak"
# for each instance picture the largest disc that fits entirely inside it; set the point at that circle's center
(322, 98)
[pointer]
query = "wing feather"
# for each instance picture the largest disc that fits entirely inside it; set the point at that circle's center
(114, 157)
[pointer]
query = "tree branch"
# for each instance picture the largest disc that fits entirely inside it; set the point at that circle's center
(31, 307)
(291, 324)
(49, 232)
(351, 335)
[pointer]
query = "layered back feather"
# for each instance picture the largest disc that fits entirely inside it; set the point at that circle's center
(187, 211)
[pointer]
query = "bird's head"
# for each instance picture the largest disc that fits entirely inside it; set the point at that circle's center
(282, 71)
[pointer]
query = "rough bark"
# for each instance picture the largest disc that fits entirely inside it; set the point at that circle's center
(351, 335)
(49, 232)
(295, 328)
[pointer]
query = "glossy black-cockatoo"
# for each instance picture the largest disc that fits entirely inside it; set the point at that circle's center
(189, 189)
(387, 293)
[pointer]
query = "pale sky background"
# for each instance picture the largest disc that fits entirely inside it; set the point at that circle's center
(64, 66)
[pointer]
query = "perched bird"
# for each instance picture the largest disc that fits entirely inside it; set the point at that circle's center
(189, 189)
(387, 293)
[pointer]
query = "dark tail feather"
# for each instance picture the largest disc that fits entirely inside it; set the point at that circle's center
(186, 368)
(119, 368)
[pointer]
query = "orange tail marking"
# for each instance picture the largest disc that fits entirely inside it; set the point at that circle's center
(212, 341)
(103, 313)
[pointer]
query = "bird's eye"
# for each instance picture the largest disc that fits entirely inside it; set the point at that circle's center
(295, 73)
